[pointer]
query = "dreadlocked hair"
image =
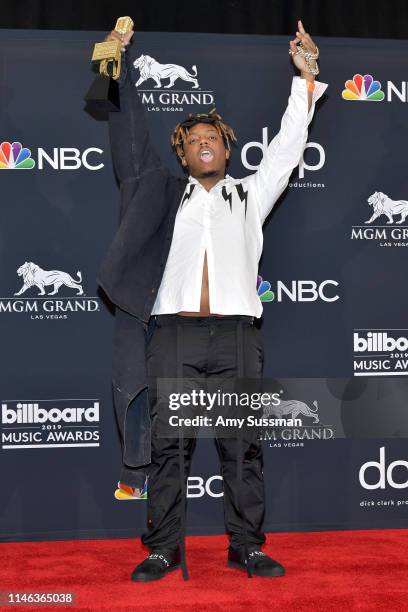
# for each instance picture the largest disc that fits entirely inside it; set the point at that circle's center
(181, 130)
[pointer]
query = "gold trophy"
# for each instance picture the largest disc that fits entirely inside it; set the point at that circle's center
(103, 94)
(110, 51)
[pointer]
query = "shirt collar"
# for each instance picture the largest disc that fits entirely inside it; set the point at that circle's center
(221, 182)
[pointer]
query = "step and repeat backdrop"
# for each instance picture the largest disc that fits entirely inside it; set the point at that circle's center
(332, 280)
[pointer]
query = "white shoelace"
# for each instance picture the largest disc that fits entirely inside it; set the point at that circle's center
(254, 553)
(159, 557)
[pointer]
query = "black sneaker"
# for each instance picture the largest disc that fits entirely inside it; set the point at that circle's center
(259, 563)
(156, 565)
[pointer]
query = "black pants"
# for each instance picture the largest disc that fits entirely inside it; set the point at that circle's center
(203, 347)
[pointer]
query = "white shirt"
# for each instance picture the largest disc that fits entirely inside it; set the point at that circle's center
(226, 222)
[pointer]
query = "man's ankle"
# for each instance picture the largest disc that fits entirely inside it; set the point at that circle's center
(240, 547)
(165, 548)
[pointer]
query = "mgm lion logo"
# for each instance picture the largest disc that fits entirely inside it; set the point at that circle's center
(294, 408)
(383, 205)
(151, 69)
(34, 275)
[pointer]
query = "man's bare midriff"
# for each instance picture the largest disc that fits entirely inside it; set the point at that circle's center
(205, 297)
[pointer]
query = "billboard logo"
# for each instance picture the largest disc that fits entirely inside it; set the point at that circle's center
(32, 413)
(380, 353)
(52, 423)
(363, 88)
(13, 156)
(375, 342)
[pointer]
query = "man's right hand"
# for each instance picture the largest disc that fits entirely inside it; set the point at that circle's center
(123, 38)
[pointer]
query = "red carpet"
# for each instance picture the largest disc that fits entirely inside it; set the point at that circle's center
(336, 570)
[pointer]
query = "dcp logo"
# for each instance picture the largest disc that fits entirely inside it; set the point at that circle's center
(321, 156)
(383, 474)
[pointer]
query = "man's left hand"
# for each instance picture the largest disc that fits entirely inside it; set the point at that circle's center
(308, 44)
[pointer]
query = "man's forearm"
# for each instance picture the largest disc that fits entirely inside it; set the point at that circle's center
(310, 78)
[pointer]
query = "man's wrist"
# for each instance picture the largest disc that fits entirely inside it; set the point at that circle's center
(308, 76)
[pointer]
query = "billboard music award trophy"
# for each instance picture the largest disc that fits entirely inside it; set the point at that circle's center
(103, 95)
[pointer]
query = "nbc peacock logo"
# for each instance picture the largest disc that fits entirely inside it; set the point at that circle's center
(125, 492)
(13, 156)
(363, 88)
(264, 290)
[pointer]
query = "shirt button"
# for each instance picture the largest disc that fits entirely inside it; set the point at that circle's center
(153, 290)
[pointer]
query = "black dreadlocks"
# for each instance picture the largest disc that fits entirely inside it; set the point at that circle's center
(181, 130)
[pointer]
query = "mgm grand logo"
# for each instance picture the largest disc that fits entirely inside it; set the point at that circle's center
(387, 225)
(165, 76)
(311, 429)
(45, 307)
